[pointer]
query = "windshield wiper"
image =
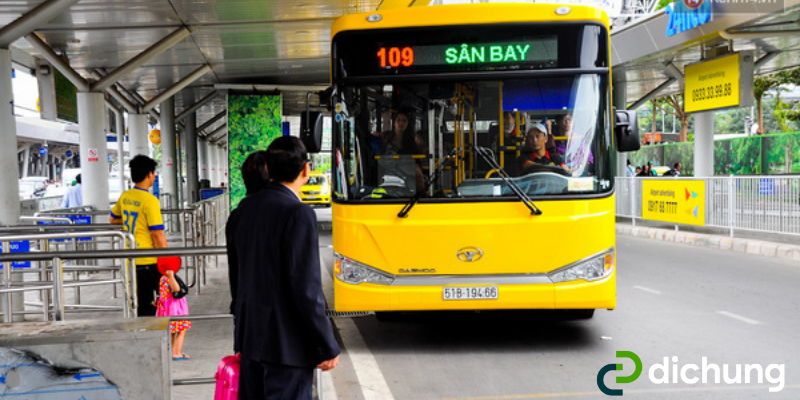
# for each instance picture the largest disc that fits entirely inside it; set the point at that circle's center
(486, 154)
(430, 180)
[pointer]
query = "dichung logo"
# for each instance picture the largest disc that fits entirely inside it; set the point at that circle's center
(618, 367)
(671, 371)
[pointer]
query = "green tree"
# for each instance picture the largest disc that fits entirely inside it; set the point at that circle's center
(673, 105)
(761, 85)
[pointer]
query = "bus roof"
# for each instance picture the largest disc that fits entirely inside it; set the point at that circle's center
(467, 14)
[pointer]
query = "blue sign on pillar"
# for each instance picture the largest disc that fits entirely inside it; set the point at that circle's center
(68, 153)
(155, 187)
(43, 151)
(286, 128)
(18, 247)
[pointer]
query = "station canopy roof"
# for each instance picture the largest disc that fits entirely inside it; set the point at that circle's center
(265, 42)
(274, 43)
(642, 52)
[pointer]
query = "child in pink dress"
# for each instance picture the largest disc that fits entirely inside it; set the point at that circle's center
(168, 306)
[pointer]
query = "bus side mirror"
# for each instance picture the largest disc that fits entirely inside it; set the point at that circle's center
(311, 130)
(626, 130)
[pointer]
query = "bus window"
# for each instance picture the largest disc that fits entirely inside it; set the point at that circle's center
(397, 136)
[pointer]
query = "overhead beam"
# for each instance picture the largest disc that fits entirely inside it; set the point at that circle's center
(211, 121)
(177, 87)
(270, 88)
(33, 19)
(196, 106)
(765, 59)
(58, 62)
(217, 134)
(673, 72)
(142, 58)
(652, 94)
(130, 107)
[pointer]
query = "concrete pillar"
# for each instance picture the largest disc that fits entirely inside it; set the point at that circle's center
(169, 159)
(225, 174)
(121, 147)
(220, 165)
(704, 144)
(9, 179)
(94, 151)
(52, 162)
(138, 140)
(63, 167)
(190, 144)
(202, 158)
(620, 101)
(213, 154)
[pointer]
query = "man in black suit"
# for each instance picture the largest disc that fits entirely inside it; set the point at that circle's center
(280, 325)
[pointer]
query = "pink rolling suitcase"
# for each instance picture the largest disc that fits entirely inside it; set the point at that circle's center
(227, 377)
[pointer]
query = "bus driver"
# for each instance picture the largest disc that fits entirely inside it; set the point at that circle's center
(535, 152)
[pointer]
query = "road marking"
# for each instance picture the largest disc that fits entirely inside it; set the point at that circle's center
(328, 390)
(627, 391)
(739, 317)
(373, 384)
(648, 290)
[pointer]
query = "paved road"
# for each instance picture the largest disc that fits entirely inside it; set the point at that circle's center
(673, 300)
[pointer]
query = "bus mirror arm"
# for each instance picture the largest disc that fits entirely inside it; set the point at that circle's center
(485, 153)
(626, 130)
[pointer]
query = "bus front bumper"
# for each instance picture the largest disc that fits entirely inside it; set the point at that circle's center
(599, 294)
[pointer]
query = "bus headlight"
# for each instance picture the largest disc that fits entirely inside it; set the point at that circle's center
(591, 269)
(354, 272)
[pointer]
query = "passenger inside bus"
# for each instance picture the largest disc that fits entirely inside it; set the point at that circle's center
(511, 140)
(535, 153)
(402, 140)
(570, 145)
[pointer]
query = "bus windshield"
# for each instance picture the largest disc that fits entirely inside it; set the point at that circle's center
(550, 135)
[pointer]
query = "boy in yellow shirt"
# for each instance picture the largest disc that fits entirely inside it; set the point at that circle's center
(140, 213)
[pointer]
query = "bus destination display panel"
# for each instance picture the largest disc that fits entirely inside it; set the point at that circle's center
(541, 52)
(397, 52)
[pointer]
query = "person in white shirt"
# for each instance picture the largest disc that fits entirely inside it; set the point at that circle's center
(74, 196)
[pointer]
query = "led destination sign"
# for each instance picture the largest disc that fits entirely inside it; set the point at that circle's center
(542, 52)
(449, 50)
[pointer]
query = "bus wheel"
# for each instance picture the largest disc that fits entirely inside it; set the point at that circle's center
(580, 314)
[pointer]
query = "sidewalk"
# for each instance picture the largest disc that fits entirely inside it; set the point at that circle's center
(740, 245)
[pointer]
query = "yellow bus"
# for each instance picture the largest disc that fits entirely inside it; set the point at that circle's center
(446, 193)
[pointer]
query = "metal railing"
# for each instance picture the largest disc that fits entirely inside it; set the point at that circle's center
(56, 283)
(51, 279)
(760, 204)
(201, 225)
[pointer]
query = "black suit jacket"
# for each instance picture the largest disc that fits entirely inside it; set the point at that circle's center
(274, 271)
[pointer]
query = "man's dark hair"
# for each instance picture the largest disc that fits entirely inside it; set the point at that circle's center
(141, 166)
(78, 178)
(254, 172)
(629, 162)
(286, 158)
(676, 165)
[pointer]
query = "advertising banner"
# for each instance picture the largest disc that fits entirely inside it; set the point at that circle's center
(722, 82)
(254, 121)
(675, 201)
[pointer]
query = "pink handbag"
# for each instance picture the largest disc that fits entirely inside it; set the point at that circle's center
(227, 377)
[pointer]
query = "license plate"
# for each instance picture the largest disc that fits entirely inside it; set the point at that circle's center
(311, 198)
(470, 293)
